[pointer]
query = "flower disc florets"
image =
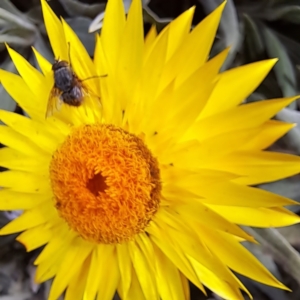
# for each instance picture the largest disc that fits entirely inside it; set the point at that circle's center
(106, 183)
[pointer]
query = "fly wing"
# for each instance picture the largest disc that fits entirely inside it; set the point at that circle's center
(88, 93)
(93, 99)
(54, 102)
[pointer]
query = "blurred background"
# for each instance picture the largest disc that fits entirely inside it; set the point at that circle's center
(255, 30)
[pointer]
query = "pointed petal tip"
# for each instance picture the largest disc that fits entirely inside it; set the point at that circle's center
(270, 62)
(216, 13)
(273, 61)
(221, 7)
(54, 31)
(19, 239)
(6, 230)
(252, 240)
(283, 287)
(9, 49)
(292, 125)
(289, 100)
(192, 9)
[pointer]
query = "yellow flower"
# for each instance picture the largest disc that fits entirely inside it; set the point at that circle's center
(144, 186)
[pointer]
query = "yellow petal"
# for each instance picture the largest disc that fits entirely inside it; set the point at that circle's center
(112, 111)
(169, 287)
(155, 122)
(197, 212)
(55, 32)
(44, 64)
(99, 58)
(35, 237)
(34, 106)
(214, 187)
(148, 84)
(146, 246)
(257, 217)
(202, 177)
(178, 31)
(184, 237)
(149, 40)
(186, 286)
(110, 105)
(131, 55)
(79, 58)
(18, 90)
(77, 252)
(143, 270)
(214, 283)
(217, 146)
(62, 237)
(27, 182)
(125, 267)
(241, 117)
(245, 78)
(135, 291)
(99, 258)
(48, 268)
(11, 200)
(232, 194)
(114, 21)
(108, 284)
(84, 68)
(77, 284)
(18, 142)
(252, 167)
(258, 166)
(93, 276)
(186, 103)
(153, 128)
(31, 218)
(180, 103)
(14, 160)
(33, 78)
(40, 134)
(195, 49)
(270, 132)
(164, 243)
(242, 261)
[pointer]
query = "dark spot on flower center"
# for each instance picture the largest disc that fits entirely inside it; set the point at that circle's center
(97, 184)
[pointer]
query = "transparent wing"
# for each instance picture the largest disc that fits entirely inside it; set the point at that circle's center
(54, 102)
(88, 93)
(93, 100)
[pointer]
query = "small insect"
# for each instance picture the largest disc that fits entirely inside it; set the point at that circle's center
(68, 88)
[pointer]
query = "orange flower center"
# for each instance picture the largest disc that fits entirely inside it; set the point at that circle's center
(106, 183)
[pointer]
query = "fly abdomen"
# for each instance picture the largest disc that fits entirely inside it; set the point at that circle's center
(73, 97)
